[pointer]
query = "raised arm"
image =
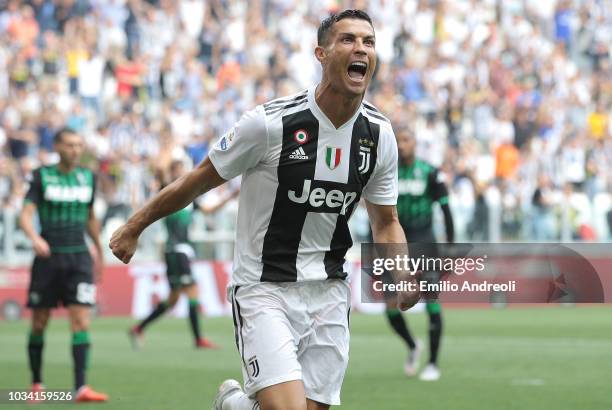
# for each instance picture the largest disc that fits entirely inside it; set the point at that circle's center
(241, 148)
(172, 198)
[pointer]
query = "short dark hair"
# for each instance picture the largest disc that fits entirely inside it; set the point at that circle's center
(327, 24)
(57, 138)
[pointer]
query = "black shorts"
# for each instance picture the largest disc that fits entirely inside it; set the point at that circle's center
(178, 270)
(62, 277)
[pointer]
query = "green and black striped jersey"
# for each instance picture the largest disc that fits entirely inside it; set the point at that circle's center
(419, 186)
(63, 201)
(177, 225)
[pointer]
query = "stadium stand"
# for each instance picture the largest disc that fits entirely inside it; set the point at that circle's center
(511, 99)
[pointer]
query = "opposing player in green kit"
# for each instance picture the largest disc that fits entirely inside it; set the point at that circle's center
(63, 269)
(420, 185)
(178, 255)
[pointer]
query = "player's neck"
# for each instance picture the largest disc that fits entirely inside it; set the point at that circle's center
(65, 168)
(338, 108)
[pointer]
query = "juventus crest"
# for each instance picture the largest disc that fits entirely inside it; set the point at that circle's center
(254, 366)
(365, 149)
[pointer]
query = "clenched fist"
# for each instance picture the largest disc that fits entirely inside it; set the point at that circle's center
(123, 243)
(408, 298)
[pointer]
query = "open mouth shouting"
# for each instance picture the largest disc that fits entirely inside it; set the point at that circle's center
(357, 71)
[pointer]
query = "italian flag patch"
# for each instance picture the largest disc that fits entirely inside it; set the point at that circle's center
(332, 156)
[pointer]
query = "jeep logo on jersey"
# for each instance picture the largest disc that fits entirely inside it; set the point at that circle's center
(319, 197)
(301, 137)
(332, 156)
(59, 193)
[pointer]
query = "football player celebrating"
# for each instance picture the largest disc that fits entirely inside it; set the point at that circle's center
(305, 160)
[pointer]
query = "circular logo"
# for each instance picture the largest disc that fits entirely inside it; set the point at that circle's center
(34, 298)
(301, 136)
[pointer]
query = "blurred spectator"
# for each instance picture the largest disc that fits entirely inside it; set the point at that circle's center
(23, 30)
(431, 140)
(598, 122)
(478, 227)
(91, 71)
(563, 22)
(10, 186)
(507, 159)
(573, 162)
(543, 205)
(75, 55)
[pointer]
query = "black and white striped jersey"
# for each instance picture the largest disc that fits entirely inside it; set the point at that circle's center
(301, 180)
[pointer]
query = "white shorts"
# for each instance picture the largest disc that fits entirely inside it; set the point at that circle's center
(293, 331)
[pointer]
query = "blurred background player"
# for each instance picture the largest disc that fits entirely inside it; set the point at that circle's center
(178, 255)
(63, 196)
(420, 185)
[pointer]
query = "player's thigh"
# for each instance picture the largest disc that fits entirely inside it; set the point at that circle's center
(78, 286)
(324, 353)
(45, 284)
(283, 396)
(314, 405)
(266, 341)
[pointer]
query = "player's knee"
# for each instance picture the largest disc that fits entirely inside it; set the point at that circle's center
(192, 291)
(80, 323)
(172, 299)
(39, 322)
(38, 329)
(39, 325)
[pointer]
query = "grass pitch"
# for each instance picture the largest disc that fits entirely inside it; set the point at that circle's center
(520, 358)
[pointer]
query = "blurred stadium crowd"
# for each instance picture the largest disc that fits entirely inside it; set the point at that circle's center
(511, 99)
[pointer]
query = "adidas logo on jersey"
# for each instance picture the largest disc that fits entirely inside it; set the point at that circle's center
(298, 154)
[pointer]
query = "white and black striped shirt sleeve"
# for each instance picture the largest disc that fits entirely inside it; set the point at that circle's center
(242, 147)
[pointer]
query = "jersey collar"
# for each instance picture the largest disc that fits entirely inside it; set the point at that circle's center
(320, 115)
